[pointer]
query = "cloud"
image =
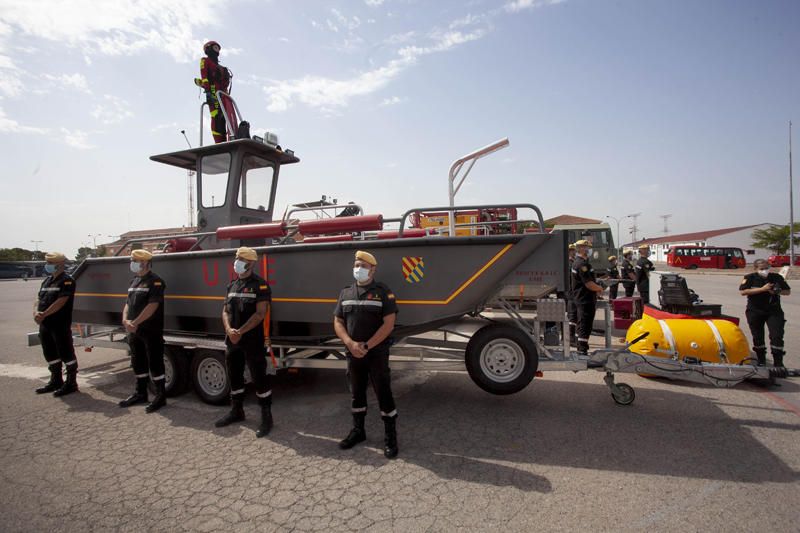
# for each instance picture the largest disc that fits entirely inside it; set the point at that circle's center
(392, 101)
(75, 81)
(113, 27)
(77, 139)
(522, 5)
(9, 125)
(373, 3)
(160, 127)
(327, 93)
(112, 110)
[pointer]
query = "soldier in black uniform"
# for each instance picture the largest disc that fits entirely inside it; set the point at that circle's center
(643, 268)
(53, 313)
(613, 275)
(572, 313)
(364, 319)
(764, 290)
(585, 291)
(628, 273)
(143, 319)
(246, 307)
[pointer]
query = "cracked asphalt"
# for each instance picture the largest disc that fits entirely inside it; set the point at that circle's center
(559, 456)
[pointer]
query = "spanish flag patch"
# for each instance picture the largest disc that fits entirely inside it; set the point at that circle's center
(156, 284)
(67, 283)
(390, 296)
(262, 286)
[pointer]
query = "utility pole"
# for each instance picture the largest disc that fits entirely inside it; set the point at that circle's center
(94, 237)
(791, 202)
(665, 217)
(189, 185)
(635, 228)
(36, 252)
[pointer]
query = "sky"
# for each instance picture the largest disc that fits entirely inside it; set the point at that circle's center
(612, 107)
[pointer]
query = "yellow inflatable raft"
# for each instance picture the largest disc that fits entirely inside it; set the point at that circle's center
(712, 341)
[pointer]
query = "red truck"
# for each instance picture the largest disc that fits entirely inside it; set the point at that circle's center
(782, 260)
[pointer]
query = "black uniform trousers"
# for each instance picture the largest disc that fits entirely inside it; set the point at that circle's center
(775, 323)
(613, 289)
(585, 312)
(147, 354)
(57, 347)
(572, 315)
(373, 366)
(644, 291)
(254, 354)
(629, 286)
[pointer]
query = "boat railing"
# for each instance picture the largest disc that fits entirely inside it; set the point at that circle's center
(451, 210)
(201, 236)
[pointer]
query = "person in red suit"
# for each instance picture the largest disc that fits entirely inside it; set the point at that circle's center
(214, 77)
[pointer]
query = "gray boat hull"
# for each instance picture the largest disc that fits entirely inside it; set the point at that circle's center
(454, 276)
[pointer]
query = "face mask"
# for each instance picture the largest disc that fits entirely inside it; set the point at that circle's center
(50, 268)
(136, 267)
(763, 273)
(239, 266)
(361, 274)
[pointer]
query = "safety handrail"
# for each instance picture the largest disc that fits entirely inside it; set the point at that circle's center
(202, 235)
(287, 216)
(451, 210)
(228, 124)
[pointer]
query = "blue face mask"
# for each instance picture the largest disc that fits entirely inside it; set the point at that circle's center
(50, 268)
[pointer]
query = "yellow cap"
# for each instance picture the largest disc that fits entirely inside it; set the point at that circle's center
(612, 257)
(627, 251)
(366, 257)
(571, 246)
(248, 254)
(54, 257)
(644, 246)
(141, 255)
(583, 242)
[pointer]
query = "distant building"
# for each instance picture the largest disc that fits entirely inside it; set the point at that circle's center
(154, 245)
(569, 220)
(738, 237)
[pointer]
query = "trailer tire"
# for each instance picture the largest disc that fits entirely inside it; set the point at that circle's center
(501, 359)
(175, 371)
(210, 377)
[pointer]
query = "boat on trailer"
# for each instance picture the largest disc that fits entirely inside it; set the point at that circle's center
(479, 303)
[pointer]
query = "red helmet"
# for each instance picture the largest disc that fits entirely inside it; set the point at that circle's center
(209, 44)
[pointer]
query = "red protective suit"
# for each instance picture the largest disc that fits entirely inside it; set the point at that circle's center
(214, 77)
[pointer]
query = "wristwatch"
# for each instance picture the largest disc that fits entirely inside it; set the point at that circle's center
(366, 346)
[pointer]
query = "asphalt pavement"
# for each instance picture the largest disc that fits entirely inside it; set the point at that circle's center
(558, 456)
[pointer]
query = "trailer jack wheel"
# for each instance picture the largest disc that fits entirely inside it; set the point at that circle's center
(622, 393)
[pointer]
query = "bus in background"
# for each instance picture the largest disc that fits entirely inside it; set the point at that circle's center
(705, 257)
(600, 237)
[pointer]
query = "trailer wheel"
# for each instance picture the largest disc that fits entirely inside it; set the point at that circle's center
(623, 394)
(209, 377)
(175, 372)
(501, 359)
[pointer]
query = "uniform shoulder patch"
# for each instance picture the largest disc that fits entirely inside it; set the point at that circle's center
(584, 268)
(67, 283)
(390, 295)
(156, 284)
(744, 280)
(262, 286)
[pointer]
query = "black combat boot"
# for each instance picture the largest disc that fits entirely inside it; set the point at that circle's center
(390, 441)
(357, 434)
(55, 383)
(266, 417)
(777, 360)
(583, 348)
(139, 396)
(761, 356)
(161, 397)
(236, 414)
(69, 386)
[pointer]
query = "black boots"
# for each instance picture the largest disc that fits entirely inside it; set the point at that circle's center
(390, 441)
(69, 386)
(55, 383)
(583, 347)
(357, 434)
(161, 397)
(140, 396)
(777, 360)
(761, 356)
(266, 418)
(236, 413)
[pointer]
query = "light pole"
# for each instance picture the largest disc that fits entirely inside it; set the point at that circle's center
(36, 252)
(615, 219)
(94, 237)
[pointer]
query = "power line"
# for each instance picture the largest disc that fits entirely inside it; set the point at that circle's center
(635, 228)
(665, 217)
